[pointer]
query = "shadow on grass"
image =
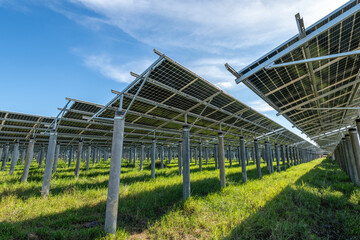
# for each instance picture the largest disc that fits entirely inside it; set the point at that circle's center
(136, 213)
(317, 206)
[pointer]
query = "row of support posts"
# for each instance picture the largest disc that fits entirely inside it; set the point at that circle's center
(347, 153)
(241, 153)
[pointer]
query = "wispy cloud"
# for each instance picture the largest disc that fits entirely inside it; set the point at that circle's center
(119, 72)
(209, 25)
(213, 70)
(261, 106)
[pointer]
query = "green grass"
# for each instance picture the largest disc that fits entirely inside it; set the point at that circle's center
(315, 200)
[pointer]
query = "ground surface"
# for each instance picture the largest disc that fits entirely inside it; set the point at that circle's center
(315, 200)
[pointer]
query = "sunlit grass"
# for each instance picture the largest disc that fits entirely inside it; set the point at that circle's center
(291, 204)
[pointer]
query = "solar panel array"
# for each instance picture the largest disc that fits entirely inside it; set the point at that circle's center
(316, 96)
(158, 103)
(167, 95)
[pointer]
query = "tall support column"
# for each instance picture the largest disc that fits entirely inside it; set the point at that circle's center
(78, 160)
(242, 157)
(93, 156)
(28, 159)
(343, 156)
(298, 155)
(153, 158)
(358, 126)
(287, 155)
(283, 153)
(277, 155)
(112, 201)
(271, 158)
(216, 156)
(14, 158)
(230, 155)
(135, 155)
(352, 160)
(186, 162)
(23, 151)
(356, 148)
(88, 157)
(195, 155)
(162, 153)
(170, 155)
(247, 155)
(142, 156)
(222, 159)
(49, 163)
(180, 154)
(56, 159)
(200, 157)
(347, 159)
(206, 155)
(72, 154)
(267, 156)
(257, 157)
(42, 156)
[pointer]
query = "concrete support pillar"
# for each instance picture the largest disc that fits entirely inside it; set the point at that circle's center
(283, 154)
(56, 158)
(142, 156)
(28, 159)
(195, 156)
(267, 156)
(242, 156)
(298, 155)
(153, 158)
(23, 151)
(200, 157)
(49, 163)
(222, 159)
(14, 158)
(71, 156)
(170, 155)
(271, 158)
(93, 156)
(162, 153)
(206, 156)
(88, 157)
(257, 158)
(343, 156)
(352, 160)
(135, 155)
(42, 156)
(78, 159)
(356, 148)
(230, 155)
(216, 156)
(180, 154)
(148, 155)
(357, 121)
(186, 162)
(277, 156)
(112, 201)
(347, 159)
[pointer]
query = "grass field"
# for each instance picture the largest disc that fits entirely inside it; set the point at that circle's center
(315, 200)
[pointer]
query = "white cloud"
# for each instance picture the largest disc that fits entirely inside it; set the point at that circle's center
(209, 25)
(261, 106)
(213, 70)
(119, 72)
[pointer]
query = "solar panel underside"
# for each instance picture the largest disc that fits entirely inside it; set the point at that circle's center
(333, 84)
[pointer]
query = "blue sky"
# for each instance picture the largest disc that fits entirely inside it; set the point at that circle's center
(82, 49)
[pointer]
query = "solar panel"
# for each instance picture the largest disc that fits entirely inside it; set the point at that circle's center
(167, 95)
(313, 78)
